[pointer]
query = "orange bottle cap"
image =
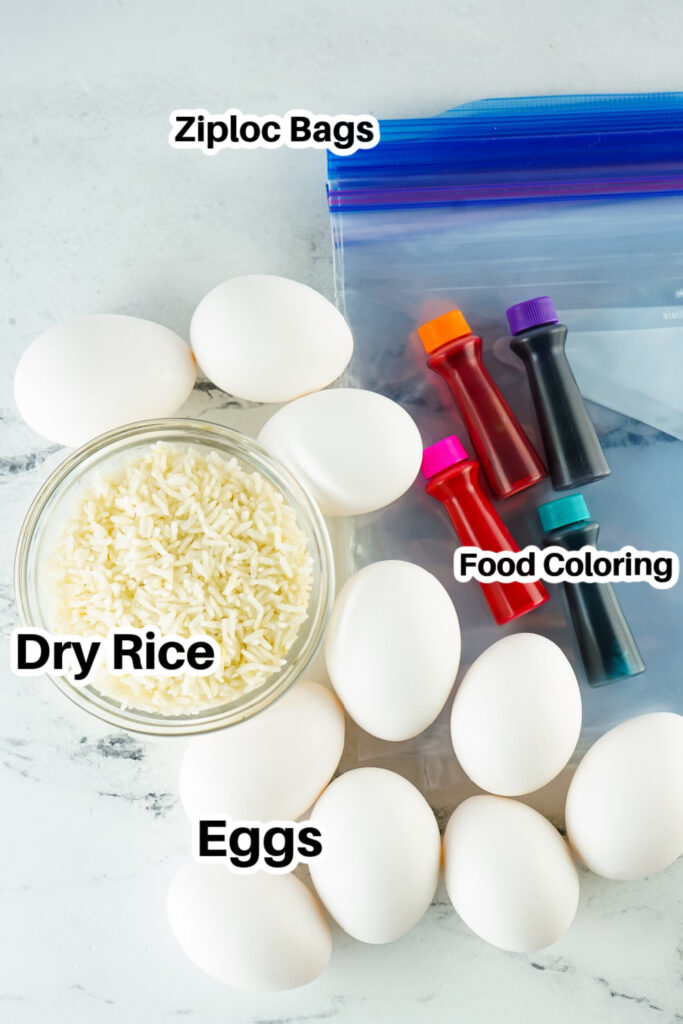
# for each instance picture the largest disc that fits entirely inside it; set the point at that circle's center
(445, 328)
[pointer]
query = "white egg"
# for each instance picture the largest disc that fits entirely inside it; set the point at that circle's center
(271, 767)
(624, 808)
(381, 851)
(269, 339)
(509, 874)
(516, 716)
(393, 648)
(355, 451)
(260, 932)
(91, 374)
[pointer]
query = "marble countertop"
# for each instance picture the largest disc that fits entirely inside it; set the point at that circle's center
(99, 214)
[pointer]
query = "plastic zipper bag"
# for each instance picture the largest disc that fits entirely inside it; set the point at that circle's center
(631, 360)
(579, 198)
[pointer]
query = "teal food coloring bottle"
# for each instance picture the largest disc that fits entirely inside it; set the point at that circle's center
(608, 649)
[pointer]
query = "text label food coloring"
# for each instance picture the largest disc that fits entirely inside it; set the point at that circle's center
(556, 564)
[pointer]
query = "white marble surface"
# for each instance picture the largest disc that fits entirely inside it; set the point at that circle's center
(99, 214)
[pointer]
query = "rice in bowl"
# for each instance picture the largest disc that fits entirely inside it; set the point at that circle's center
(189, 543)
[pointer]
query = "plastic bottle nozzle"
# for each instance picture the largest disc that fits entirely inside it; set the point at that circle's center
(532, 313)
(448, 327)
(563, 512)
(441, 455)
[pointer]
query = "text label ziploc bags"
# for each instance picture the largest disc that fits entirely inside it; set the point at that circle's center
(579, 198)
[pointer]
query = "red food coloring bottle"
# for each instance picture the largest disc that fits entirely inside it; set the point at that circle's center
(454, 480)
(507, 457)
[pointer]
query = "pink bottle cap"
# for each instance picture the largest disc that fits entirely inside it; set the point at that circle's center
(441, 455)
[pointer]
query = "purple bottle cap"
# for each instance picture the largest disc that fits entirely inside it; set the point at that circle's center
(531, 313)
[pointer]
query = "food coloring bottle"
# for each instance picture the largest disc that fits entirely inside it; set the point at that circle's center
(607, 647)
(505, 453)
(453, 479)
(572, 448)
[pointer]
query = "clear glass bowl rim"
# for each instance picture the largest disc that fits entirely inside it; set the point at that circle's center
(184, 431)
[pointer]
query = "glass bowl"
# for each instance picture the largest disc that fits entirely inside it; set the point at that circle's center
(52, 504)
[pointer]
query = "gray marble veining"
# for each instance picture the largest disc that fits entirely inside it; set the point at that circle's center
(99, 214)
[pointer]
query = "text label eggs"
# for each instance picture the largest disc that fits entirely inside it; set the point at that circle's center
(355, 451)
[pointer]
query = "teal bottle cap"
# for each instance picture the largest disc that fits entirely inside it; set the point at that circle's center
(563, 512)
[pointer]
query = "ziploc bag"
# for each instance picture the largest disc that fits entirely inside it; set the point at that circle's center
(631, 360)
(579, 198)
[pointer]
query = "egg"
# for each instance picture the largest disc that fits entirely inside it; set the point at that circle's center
(355, 451)
(624, 809)
(261, 932)
(516, 716)
(272, 766)
(93, 373)
(509, 874)
(269, 339)
(393, 648)
(381, 850)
